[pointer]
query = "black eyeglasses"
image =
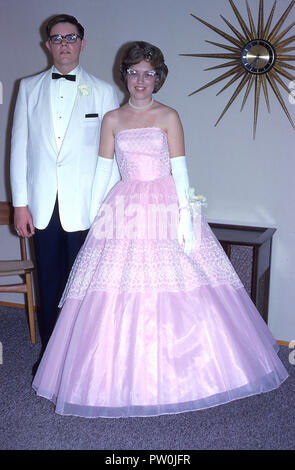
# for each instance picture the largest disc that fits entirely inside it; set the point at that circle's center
(70, 38)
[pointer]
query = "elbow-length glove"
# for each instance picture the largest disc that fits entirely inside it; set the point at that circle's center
(101, 184)
(185, 230)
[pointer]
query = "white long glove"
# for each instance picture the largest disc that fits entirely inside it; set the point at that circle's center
(101, 184)
(185, 231)
(115, 176)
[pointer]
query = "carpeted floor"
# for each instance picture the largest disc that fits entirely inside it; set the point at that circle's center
(28, 422)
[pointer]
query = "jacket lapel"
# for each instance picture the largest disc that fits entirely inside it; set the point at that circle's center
(78, 109)
(45, 111)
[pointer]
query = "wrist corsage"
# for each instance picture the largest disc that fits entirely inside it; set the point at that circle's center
(196, 202)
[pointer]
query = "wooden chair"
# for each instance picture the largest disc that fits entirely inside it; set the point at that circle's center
(22, 267)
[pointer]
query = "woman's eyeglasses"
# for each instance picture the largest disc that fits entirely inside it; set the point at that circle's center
(147, 75)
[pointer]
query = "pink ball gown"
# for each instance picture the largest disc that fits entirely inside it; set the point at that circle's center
(144, 328)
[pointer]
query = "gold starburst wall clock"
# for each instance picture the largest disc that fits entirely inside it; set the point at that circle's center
(258, 55)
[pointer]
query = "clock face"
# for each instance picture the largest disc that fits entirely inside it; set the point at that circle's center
(258, 56)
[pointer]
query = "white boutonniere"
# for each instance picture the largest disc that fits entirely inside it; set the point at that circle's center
(84, 90)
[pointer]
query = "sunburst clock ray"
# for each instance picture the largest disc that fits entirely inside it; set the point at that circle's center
(256, 54)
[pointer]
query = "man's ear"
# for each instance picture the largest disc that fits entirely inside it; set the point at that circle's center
(48, 45)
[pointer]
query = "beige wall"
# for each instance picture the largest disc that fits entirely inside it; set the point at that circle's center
(245, 181)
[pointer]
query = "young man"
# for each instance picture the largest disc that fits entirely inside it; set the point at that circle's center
(55, 141)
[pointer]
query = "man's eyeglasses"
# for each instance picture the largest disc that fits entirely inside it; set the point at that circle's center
(147, 75)
(70, 38)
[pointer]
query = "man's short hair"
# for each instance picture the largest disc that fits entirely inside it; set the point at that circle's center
(64, 19)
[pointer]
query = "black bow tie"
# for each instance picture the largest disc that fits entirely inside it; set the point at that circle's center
(56, 76)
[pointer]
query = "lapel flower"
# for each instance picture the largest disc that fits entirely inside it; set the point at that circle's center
(84, 90)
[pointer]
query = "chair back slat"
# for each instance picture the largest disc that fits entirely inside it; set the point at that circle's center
(6, 213)
(23, 249)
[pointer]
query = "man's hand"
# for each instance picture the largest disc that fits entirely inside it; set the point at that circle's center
(23, 222)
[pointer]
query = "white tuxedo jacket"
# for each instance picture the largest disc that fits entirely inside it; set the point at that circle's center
(39, 173)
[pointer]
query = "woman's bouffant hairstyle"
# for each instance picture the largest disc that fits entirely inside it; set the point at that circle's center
(139, 51)
(64, 19)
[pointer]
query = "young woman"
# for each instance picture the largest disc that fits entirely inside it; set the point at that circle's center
(154, 320)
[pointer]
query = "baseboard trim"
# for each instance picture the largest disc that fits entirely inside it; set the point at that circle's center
(284, 343)
(11, 304)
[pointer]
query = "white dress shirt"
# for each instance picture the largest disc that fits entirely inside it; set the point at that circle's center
(63, 94)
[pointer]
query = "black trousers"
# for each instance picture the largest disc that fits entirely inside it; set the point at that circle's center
(55, 252)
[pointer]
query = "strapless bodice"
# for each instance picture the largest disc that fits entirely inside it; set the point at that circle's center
(142, 153)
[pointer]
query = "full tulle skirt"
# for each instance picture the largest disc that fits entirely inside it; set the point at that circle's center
(146, 330)
(150, 354)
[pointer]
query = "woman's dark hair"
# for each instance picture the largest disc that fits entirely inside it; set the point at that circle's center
(138, 51)
(64, 19)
